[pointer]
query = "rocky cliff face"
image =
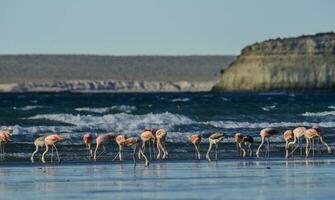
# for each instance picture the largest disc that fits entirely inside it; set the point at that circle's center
(292, 64)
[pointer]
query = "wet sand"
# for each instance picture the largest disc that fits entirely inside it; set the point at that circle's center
(226, 179)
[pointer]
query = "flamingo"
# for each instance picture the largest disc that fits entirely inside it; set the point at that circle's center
(214, 139)
(242, 142)
(103, 140)
(136, 143)
(266, 134)
(39, 142)
(146, 136)
(161, 138)
(196, 139)
(314, 133)
(297, 133)
(87, 139)
(5, 136)
(51, 140)
(120, 139)
(238, 139)
(288, 136)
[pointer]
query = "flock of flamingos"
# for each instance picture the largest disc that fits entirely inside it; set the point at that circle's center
(158, 137)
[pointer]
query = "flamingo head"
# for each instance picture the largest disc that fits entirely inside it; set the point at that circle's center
(238, 137)
(87, 138)
(317, 128)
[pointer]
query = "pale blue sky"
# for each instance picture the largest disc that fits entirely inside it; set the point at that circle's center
(142, 27)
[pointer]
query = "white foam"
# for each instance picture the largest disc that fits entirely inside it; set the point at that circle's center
(318, 114)
(181, 100)
(121, 108)
(331, 107)
(269, 108)
(234, 124)
(29, 107)
(121, 123)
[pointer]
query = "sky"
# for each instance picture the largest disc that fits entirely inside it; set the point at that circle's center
(155, 27)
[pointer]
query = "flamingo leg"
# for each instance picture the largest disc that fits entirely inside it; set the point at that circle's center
(250, 149)
(95, 152)
(286, 149)
(32, 155)
(198, 150)
(307, 149)
(237, 149)
(145, 158)
(165, 152)
(143, 149)
(268, 147)
(195, 151)
(208, 151)
(242, 149)
(43, 155)
(259, 148)
(158, 149)
(313, 147)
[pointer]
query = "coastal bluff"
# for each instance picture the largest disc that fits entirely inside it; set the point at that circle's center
(305, 63)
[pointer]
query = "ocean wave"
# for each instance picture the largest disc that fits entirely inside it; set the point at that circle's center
(180, 100)
(120, 108)
(121, 123)
(29, 107)
(269, 108)
(331, 107)
(318, 114)
(234, 124)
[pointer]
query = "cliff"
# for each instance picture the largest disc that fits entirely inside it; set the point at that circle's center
(291, 64)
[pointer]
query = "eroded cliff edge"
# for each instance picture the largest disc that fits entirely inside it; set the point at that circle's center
(291, 64)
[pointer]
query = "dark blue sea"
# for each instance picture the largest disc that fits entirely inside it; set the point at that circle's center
(181, 114)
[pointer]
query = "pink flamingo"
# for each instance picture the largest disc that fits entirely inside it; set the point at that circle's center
(195, 140)
(51, 140)
(88, 139)
(298, 133)
(238, 139)
(120, 139)
(244, 143)
(5, 137)
(214, 139)
(288, 136)
(136, 143)
(161, 138)
(265, 135)
(147, 136)
(314, 133)
(39, 142)
(103, 140)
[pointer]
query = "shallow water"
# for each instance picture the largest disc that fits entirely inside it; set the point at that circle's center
(229, 179)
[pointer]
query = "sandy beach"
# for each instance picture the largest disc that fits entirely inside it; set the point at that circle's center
(228, 179)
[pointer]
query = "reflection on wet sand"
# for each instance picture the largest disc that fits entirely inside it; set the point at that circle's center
(275, 179)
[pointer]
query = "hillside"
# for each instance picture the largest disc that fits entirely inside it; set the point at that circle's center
(50, 68)
(293, 64)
